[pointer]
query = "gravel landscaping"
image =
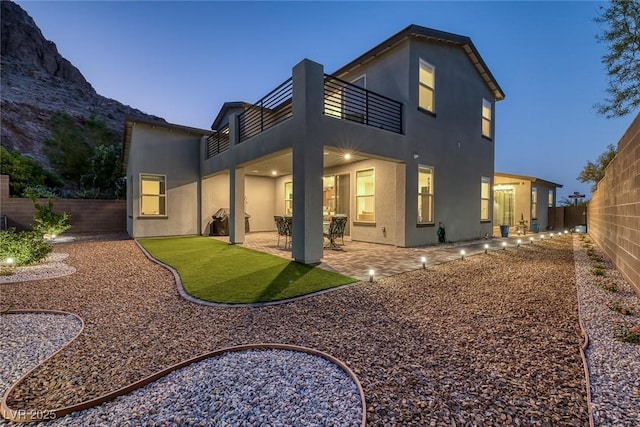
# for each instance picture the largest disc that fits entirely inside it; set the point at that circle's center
(52, 266)
(614, 365)
(492, 339)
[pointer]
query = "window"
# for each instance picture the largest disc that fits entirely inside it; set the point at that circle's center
(153, 196)
(365, 196)
(425, 195)
(427, 87)
(534, 203)
(288, 198)
(486, 118)
(550, 198)
(485, 196)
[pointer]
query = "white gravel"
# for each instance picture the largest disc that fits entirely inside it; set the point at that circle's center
(614, 365)
(52, 266)
(28, 339)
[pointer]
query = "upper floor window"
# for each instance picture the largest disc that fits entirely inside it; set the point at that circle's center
(550, 198)
(427, 87)
(365, 196)
(425, 195)
(153, 196)
(486, 118)
(534, 203)
(485, 196)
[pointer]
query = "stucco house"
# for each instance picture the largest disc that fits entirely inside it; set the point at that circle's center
(523, 199)
(400, 139)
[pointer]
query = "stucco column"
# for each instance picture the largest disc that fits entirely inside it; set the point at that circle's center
(236, 198)
(308, 92)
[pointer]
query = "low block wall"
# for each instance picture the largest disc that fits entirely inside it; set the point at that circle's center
(614, 208)
(87, 215)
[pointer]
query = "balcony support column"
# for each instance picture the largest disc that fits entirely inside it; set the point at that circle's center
(236, 198)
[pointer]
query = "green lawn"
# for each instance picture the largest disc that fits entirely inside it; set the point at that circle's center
(218, 272)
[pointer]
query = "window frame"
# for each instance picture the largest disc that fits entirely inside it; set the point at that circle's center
(358, 196)
(485, 119)
(162, 196)
(430, 195)
(431, 89)
(288, 199)
(485, 180)
(551, 198)
(534, 203)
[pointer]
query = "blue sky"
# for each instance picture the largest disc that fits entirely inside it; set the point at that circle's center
(182, 60)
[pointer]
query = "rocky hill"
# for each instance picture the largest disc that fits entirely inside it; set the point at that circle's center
(36, 81)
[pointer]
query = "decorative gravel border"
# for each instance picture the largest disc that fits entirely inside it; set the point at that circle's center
(5, 411)
(53, 266)
(28, 416)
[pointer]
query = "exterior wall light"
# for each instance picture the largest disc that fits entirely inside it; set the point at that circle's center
(462, 254)
(423, 260)
(371, 273)
(486, 247)
(504, 246)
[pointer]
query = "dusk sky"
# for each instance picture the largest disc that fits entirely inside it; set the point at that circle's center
(183, 60)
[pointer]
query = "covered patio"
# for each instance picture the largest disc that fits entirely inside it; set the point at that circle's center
(356, 258)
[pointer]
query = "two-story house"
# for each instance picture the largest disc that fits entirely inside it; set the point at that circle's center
(400, 140)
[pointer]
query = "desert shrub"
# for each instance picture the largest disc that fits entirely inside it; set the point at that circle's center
(40, 192)
(26, 247)
(46, 221)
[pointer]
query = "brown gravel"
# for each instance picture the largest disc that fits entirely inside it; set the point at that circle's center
(492, 339)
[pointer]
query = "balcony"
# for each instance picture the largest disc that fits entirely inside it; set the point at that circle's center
(345, 101)
(272, 109)
(217, 143)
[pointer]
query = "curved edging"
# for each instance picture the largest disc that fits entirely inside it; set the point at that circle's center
(583, 349)
(151, 378)
(14, 415)
(184, 294)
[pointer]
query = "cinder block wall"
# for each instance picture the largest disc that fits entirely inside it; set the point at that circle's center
(87, 216)
(614, 209)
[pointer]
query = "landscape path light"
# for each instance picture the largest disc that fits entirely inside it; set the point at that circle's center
(519, 242)
(486, 248)
(371, 273)
(423, 260)
(462, 254)
(504, 246)
(542, 237)
(530, 239)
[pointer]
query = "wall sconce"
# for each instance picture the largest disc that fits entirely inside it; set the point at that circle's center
(486, 247)
(371, 272)
(423, 260)
(415, 156)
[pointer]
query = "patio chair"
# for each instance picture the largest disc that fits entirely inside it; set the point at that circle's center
(284, 229)
(335, 230)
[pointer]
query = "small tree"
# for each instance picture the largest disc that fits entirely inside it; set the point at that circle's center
(622, 60)
(594, 172)
(67, 148)
(47, 222)
(25, 172)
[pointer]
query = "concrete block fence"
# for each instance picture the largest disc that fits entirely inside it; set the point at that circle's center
(614, 208)
(87, 215)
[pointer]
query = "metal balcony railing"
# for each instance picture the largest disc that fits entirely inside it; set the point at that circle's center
(274, 108)
(218, 142)
(343, 100)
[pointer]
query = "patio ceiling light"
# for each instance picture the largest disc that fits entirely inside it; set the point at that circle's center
(371, 273)
(347, 156)
(423, 260)
(274, 173)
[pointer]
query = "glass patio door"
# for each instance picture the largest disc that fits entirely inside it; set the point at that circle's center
(504, 206)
